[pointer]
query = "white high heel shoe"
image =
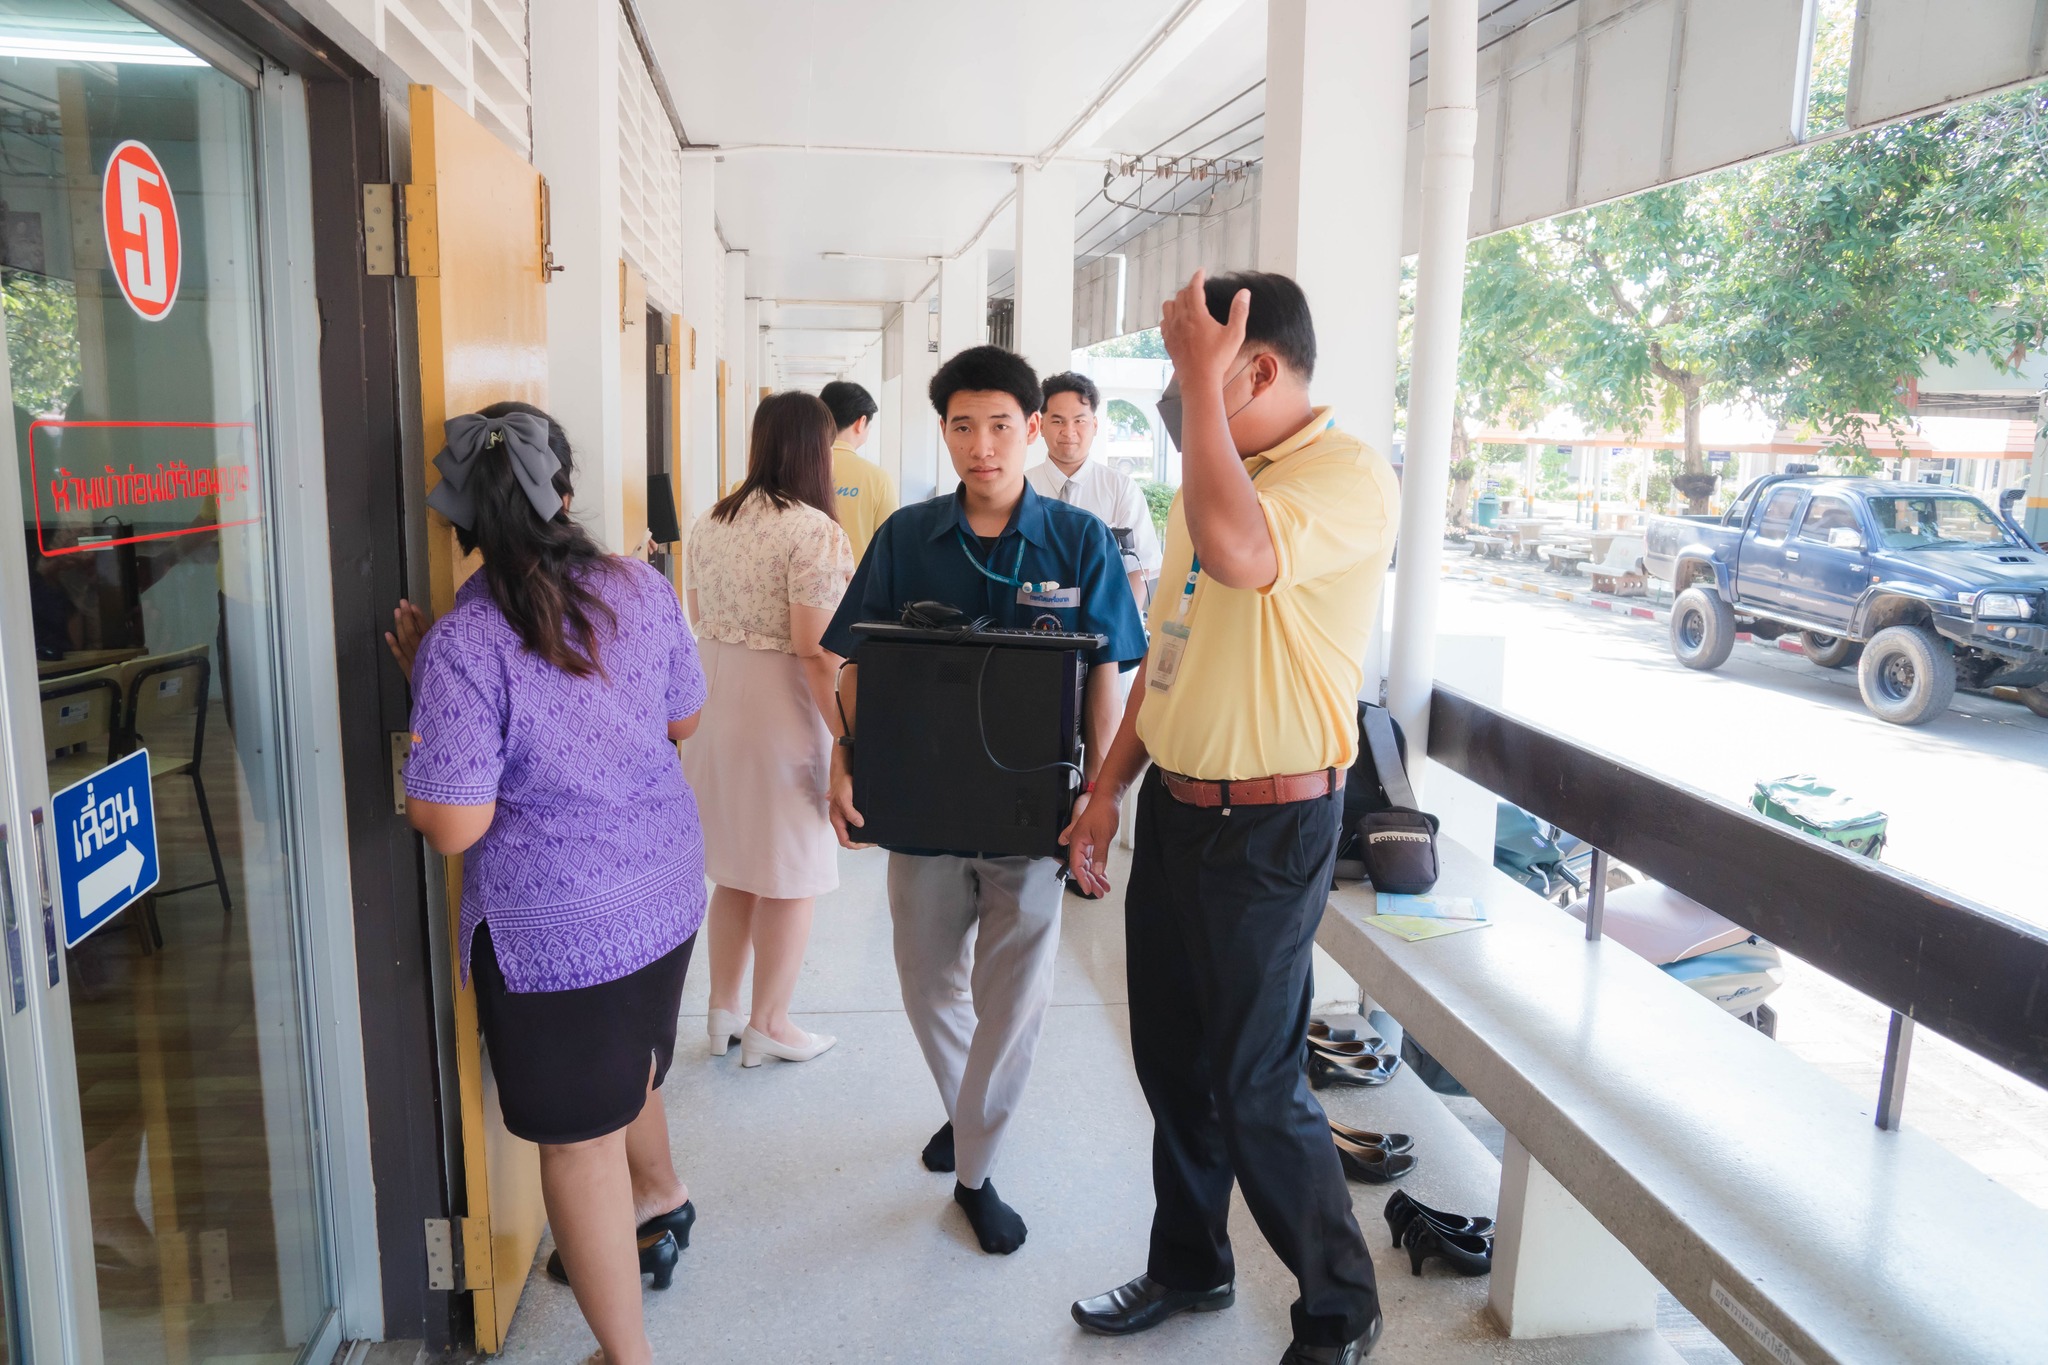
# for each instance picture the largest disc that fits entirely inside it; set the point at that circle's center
(756, 1047)
(723, 1028)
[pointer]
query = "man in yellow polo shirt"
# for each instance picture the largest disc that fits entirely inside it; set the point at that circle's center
(866, 495)
(1247, 708)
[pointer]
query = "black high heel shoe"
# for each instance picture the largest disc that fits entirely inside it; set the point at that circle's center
(676, 1220)
(1467, 1255)
(1324, 1072)
(1350, 1051)
(1403, 1209)
(1392, 1143)
(662, 1239)
(1371, 1165)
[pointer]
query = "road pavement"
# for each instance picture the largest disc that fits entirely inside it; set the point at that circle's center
(1966, 795)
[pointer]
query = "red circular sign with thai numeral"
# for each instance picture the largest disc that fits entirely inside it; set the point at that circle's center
(141, 222)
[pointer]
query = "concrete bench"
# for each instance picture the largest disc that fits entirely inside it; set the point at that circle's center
(1493, 547)
(1563, 559)
(1655, 1139)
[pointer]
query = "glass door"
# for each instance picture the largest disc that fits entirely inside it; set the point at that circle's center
(129, 275)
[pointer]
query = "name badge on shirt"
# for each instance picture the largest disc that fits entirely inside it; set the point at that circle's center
(1162, 664)
(1053, 598)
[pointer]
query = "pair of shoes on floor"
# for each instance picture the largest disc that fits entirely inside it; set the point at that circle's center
(1464, 1243)
(1372, 1158)
(662, 1239)
(1362, 1068)
(1350, 1353)
(1144, 1303)
(1323, 1031)
(724, 1028)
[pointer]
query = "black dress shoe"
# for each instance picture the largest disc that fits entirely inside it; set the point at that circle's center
(1318, 1029)
(1392, 1143)
(1324, 1072)
(1371, 1165)
(1467, 1255)
(1350, 1353)
(658, 1256)
(1402, 1210)
(1145, 1303)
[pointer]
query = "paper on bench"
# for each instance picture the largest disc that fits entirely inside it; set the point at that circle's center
(1415, 918)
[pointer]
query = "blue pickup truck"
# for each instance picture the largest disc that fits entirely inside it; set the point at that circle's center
(1924, 588)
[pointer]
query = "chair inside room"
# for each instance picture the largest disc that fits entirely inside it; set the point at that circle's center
(167, 704)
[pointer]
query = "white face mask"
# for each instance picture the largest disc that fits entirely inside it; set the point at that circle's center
(1169, 404)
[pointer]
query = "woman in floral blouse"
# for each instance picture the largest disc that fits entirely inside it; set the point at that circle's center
(767, 566)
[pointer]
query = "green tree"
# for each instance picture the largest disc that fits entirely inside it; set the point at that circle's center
(1145, 345)
(1813, 284)
(1125, 419)
(42, 340)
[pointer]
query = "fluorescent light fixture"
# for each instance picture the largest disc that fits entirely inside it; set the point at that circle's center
(866, 256)
(140, 49)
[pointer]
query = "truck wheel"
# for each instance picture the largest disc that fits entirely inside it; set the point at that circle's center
(1827, 651)
(1907, 677)
(1702, 629)
(2035, 699)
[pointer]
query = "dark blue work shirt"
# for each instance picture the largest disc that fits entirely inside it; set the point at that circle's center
(918, 556)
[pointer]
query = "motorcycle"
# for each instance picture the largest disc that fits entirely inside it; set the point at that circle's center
(1708, 952)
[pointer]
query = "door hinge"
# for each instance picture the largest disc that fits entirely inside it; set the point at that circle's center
(401, 230)
(401, 750)
(380, 230)
(660, 358)
(444, 1255)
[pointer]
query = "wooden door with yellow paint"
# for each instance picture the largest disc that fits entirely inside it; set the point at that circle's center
(474, 241)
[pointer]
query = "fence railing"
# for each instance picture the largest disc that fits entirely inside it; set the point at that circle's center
(1970, 973)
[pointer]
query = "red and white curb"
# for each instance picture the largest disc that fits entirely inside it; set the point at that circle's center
(1788, 643)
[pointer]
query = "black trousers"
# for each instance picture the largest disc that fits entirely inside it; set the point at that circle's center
(1219, 918)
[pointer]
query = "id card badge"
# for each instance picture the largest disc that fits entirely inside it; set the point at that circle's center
(1049, 598)
(1164, 663)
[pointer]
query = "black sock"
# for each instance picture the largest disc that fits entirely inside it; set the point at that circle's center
(996, 1224)
(938, 1153)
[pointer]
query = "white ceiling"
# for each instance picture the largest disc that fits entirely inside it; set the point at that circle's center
(922, 78)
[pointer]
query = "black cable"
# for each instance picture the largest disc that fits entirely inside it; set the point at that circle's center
(981, 724)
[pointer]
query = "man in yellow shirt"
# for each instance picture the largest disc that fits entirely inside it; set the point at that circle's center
(1247, 708)
(866, 494)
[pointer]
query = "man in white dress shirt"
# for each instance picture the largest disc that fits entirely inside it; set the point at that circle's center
(1072, 407)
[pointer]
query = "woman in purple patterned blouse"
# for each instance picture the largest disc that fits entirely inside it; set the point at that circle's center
(546, 708)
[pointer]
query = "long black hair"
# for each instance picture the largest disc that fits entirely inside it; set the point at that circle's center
(789, 457)
(532, 566)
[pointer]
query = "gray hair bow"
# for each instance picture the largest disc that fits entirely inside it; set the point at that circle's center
(472, 436)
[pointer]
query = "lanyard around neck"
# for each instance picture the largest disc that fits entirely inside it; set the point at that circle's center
(1012, 580)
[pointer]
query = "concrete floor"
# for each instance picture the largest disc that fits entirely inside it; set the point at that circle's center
(821, 1237)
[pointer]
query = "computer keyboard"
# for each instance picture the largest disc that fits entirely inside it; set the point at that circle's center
(1011, 636)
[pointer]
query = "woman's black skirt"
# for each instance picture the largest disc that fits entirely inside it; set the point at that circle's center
(573, 1065)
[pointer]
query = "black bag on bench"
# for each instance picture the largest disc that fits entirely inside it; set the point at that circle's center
(1385, 839)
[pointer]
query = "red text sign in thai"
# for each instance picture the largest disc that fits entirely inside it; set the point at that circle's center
(141, 224)
(99, 484)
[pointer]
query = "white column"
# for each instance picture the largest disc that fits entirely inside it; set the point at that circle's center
(886, 449)
(963, 301)
(737, 348)
(1556, 1270)
(1330, 201)
(576, 146)
(1045, 268)
(1448, 131)
(920, 438)
(703, 283)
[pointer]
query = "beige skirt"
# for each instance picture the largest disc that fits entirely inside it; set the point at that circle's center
(760, 764)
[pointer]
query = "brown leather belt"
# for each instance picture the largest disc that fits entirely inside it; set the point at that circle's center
(1253, 791)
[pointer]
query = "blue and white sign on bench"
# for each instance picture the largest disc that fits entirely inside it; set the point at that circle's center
(106, 844)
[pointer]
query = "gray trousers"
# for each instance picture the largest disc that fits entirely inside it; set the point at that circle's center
(975, 942)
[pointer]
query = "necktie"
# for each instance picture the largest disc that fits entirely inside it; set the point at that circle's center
(1067, 491)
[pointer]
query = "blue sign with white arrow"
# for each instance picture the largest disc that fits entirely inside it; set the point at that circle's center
(106, 844)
